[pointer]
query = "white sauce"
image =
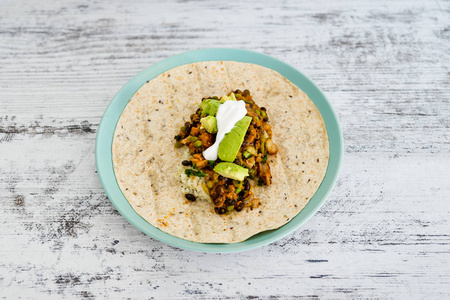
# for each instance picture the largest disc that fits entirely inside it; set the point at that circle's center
(228, 114)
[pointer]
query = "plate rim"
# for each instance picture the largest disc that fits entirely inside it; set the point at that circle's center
(104, 163)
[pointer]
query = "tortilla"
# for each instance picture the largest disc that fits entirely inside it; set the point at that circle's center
(147, 166)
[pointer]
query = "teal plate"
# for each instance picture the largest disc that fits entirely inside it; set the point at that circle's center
(103, 146)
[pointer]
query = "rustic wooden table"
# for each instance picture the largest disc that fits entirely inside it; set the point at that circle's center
(385, 231)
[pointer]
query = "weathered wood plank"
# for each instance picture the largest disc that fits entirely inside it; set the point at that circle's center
(383, 233)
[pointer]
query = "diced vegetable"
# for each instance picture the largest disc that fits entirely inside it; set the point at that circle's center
(262, 148)
(271, 147)
(246, 154)
(252, 150)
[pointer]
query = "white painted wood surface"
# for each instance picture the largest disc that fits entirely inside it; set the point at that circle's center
(385, 231)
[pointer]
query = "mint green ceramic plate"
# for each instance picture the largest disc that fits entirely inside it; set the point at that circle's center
(103, 146)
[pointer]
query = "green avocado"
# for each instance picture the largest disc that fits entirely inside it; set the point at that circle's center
(230, 170)
(209, 123)
(210, 107)
(226, 98)
(229, 146)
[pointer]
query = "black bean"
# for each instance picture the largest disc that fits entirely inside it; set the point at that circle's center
(247, 185)
(221, 210)
(219, 190)
(266, 119)
(221, 177)
(239, 205)
(188, 126)
(190, 197)
(229, 202)
(263, 108)
(177, 137)
(186, 163)
(218, 201)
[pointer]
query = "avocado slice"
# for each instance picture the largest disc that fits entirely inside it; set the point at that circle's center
(210, 107)
(209, 123)
(229, 147)
(230, 170)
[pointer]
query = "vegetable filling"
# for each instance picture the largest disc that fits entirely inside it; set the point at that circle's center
(230, 179)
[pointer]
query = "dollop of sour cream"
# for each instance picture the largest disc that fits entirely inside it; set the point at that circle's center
(228, 114)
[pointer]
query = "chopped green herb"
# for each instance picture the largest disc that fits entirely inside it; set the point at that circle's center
(177, 137)
(197, 173)
(264, 160)
(212, 163)
(252, 173)
(260, 182)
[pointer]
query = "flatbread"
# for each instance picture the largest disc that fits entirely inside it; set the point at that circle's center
(147, 166)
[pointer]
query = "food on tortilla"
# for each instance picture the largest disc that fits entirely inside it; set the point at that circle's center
(241, 158)
(151, 176)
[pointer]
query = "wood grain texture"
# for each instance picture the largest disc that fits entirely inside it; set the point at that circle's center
(385, 231)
